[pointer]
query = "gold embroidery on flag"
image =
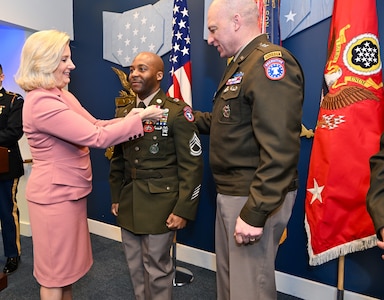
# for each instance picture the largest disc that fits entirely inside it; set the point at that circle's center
(346, 96)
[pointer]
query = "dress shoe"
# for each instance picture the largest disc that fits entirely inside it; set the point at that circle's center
(11, 265)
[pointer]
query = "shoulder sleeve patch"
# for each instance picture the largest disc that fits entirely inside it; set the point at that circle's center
(274, 68)
(188, 114)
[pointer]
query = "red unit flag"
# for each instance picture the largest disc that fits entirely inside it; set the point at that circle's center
(348, 130)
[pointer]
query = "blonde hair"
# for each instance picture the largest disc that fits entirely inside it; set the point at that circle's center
(40, 57)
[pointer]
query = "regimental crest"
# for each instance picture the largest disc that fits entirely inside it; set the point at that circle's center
(226, 110)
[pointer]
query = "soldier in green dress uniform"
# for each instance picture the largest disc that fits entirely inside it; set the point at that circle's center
(155, 180)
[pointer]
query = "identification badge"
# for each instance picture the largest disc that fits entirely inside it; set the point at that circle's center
(154, 149)
(164, 131)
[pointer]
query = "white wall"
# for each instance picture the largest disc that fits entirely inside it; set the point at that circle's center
(38, 14)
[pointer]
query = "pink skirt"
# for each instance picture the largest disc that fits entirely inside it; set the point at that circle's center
(62, 252)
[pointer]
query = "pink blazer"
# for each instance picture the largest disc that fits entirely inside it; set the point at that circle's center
(59, 131)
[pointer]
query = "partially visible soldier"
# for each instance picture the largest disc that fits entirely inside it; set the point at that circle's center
(155, 181)
(11, 130)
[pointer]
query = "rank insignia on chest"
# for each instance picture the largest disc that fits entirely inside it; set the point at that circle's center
(1, 109)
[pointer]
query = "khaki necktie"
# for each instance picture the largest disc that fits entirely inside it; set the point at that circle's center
(141, 104)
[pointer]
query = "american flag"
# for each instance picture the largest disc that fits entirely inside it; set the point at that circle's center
(180, 57)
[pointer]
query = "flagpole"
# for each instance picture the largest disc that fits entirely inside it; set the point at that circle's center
(340, 278)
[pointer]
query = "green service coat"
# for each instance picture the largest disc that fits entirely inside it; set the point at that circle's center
(255, 128)
(159, 173)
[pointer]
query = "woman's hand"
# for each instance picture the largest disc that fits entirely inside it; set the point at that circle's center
(152, 113)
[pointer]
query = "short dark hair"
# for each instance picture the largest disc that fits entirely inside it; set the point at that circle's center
(1, 69)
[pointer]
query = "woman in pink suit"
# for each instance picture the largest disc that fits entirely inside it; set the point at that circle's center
(59, 131)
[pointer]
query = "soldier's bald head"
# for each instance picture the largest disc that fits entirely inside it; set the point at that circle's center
(151, 59)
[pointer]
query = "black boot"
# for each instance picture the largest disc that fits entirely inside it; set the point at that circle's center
(11, 265)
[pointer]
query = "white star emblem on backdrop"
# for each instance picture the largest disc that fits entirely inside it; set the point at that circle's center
(146, 28)
(290, 16)
(316, 192)
(297, 15)
(133, 31)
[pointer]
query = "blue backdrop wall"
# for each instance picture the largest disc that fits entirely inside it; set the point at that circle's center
(96, 85)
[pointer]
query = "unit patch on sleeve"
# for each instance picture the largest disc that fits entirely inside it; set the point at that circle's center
(274, 68)
(188, 114)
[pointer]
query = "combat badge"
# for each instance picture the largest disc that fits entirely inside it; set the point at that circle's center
(148, 126)
(274, 68)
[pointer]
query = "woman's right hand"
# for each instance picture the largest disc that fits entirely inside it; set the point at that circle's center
(152, 113)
